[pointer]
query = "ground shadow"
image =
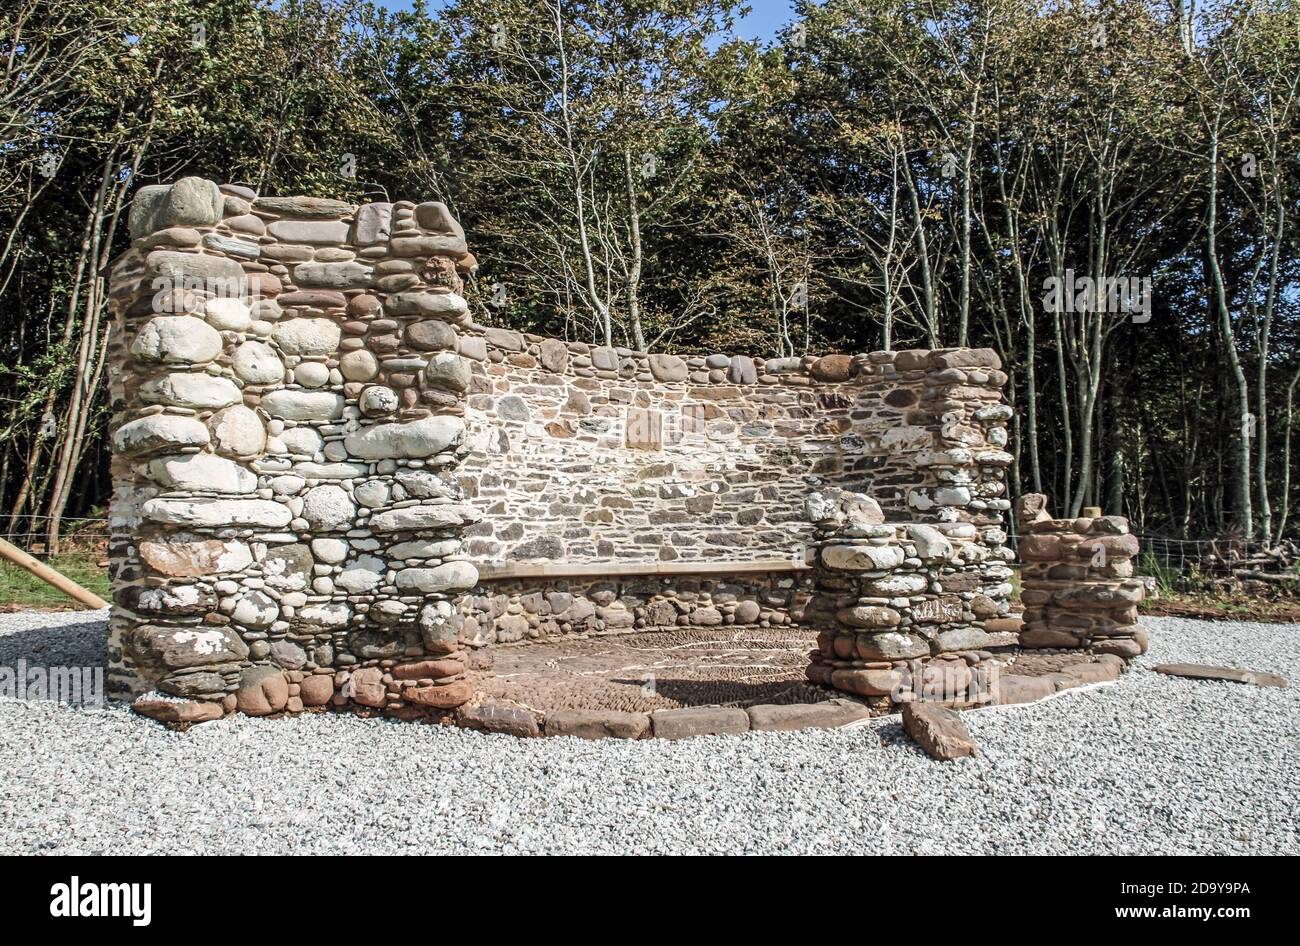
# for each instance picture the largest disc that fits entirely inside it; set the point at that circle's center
(58, 643)
(704, 692)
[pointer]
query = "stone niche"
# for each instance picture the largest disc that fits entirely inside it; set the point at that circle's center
(316, 451)
(583, 455)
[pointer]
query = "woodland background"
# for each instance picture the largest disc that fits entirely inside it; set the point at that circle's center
(881, 175)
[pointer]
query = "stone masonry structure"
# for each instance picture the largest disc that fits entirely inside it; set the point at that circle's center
(288, 406)
(590, 459)
(334, 488)
(895, 601)
(1077, 581)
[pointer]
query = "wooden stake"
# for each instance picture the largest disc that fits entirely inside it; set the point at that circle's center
(50, 576)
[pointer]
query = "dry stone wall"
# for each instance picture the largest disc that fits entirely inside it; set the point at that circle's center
(315, 445)
(903, 608)
(288, 411)
(583, 454)
(508, 610)
(1077, 581)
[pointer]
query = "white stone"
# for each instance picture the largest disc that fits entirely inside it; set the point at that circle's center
(329, 551)
(312, 374)
(359, 365)
(328, 507)
(290, 404)
(228, 315)
(157, 432)
(202, 472)
(418, 518)
(931, 544)
(450, 576)
(257, 363)
(952, 496)
(210, 513)
(195, 391)
(373, 494)
(416, 439)
(256, 610)
(330, 471)
(862, 558)
(266, 310)
(325, 616)
(287, 485)
(237, 431)
(363, 575)
(307, 336)
(435, 549)
(422, 484)
(377, 399)
(177, 340)
(303, 441)
(899, 585)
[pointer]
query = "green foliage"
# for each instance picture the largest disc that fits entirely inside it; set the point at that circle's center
(20, 588)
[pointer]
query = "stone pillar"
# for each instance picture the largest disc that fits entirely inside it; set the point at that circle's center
(1077, 581)
(901, 608)
(964, 418)
(287, 401)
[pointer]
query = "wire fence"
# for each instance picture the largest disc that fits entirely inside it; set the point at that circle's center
(79, 536)
(1178, 564)
(1198, 563)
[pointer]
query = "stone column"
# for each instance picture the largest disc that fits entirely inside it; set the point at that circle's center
(1077, 581)
(287, 415)
(900, 608)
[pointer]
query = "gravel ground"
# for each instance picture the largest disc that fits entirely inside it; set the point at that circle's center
(1151, 765)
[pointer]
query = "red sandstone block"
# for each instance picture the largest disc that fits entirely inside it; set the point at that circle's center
(597, 724)
(430, 669)
(448, 696)
(178, 711)
(938, 730)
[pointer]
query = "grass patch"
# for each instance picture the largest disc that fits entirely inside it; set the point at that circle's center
(20, 588)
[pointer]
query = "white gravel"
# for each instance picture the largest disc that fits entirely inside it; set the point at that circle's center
(1152, 765)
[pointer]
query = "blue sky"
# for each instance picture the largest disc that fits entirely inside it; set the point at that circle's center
(766, 17)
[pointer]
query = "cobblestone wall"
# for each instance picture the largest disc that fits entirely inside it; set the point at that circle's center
(1077, 581)
(896, 601)
(288, 405)
(519, 609)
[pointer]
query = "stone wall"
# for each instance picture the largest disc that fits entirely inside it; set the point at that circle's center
(896, 600)
(582, 453)
(314, 445)
(529, 608)
(1077, 581)
(288, 407)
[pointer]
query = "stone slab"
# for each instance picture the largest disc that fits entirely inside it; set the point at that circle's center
(773, 717)
(699, 721)
(1261, 678)
(939, 731)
